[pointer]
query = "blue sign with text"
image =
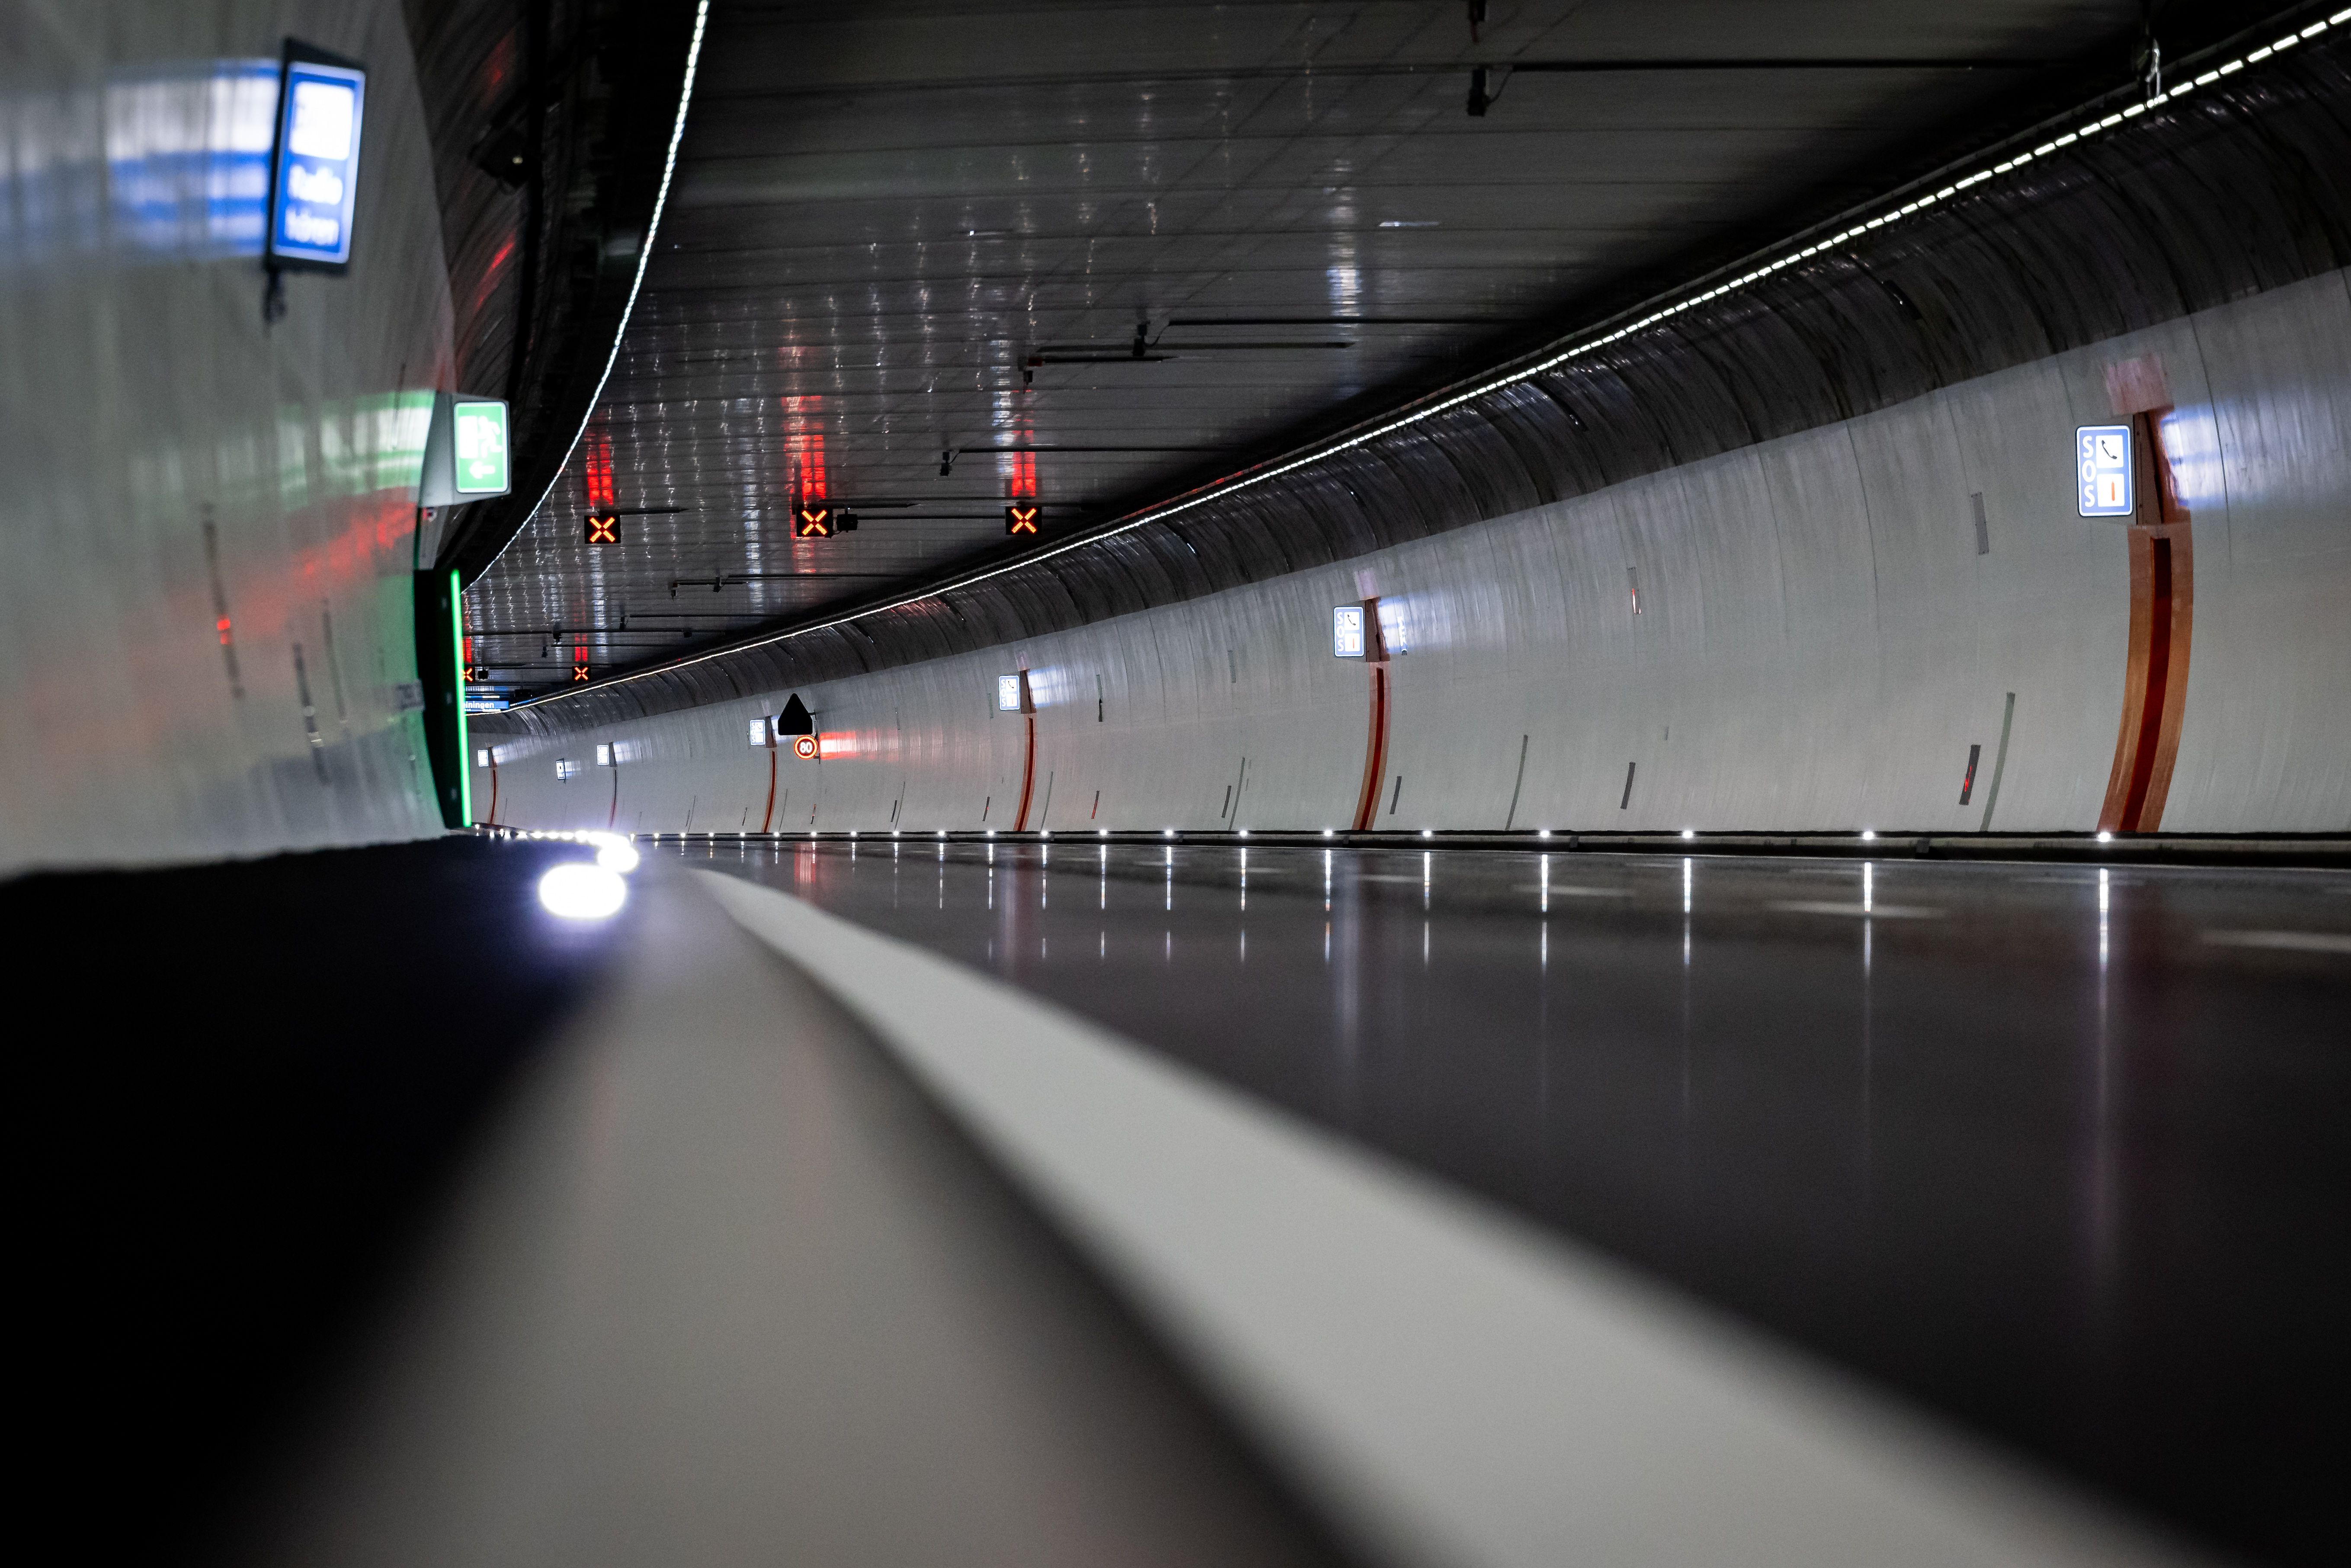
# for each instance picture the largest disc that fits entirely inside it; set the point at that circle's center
(320, 111)
(2102, 470)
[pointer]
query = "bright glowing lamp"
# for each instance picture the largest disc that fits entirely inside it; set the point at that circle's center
(582, 891)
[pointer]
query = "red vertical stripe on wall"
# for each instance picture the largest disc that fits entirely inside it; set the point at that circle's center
(1028, 773)
(1376, 751)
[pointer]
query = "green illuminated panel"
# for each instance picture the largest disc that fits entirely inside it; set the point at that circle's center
(481, 458)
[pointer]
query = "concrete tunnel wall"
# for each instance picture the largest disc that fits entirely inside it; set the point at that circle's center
(174, 465)
(1818, 642)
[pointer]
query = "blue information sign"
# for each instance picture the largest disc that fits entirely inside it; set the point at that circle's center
(322, 108)
(2102, 470)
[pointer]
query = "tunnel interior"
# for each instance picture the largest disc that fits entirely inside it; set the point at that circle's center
(1315, 781)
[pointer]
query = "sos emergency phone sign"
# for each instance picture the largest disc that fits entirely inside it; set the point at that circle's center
(2102, 470)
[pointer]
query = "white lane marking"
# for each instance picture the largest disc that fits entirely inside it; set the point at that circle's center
(1864, 911)
(1456, 1388)
(2283, 941)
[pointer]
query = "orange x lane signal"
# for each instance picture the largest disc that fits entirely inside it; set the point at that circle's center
(1021, 520)
(812, 523)
(578, 673)
(603, 529)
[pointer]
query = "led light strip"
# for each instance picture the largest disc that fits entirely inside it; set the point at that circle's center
(627, 307)
(2089, 128)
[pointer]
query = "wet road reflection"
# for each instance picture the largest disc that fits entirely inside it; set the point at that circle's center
(2061, 1151)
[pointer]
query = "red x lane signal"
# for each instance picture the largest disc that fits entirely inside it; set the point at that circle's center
(603, 527)
(1021, 520)
(812, 523)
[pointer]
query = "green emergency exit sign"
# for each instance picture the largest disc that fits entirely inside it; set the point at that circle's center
(481, 448)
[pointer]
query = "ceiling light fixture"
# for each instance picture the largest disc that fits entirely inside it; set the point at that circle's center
(645, 255)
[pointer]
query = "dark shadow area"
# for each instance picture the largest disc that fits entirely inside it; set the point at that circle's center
(259, 1077)
(721, 1284)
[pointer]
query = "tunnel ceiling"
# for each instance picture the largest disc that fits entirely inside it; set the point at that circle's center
(911, 252)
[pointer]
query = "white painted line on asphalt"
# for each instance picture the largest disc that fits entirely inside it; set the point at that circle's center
(1858, 910)
(1454, 1387)
(2283, 941)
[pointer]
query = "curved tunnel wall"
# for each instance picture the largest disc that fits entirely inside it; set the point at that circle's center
(2236, 186)
(1824, 632)
(209, 524)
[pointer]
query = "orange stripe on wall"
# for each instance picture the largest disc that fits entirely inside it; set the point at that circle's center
(2162, 618)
